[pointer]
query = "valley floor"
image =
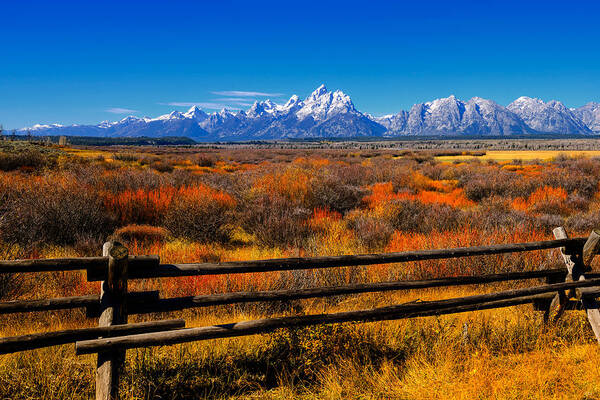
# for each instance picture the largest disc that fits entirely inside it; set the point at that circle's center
(195, 204)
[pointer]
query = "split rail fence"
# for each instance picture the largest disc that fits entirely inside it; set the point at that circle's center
(572, 287)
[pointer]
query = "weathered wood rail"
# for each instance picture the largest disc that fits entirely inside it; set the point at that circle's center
(572, 287)
(46, 339)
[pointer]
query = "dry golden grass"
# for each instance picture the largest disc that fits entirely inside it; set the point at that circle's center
(508, 155)
(88, 153)
(505, 354)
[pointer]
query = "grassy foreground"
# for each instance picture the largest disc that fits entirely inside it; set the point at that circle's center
(492, 354)
(210, 205)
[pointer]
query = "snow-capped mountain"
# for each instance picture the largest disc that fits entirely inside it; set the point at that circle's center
(333, 114)
(321, 105)
(589, 114)
(552, 117)
(451, 116)
(196, 113)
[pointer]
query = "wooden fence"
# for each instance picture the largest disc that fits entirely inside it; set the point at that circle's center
(572, 287)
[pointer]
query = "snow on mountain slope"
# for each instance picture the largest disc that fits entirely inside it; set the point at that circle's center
(589, 114)
(484, 116)
(196, 113)
(452, 116)
(333, 114)
(395, 123)
(552, 117)
(322, 104)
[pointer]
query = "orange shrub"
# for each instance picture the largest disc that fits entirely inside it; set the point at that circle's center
(312, 162)
(545, 200)
(406, 241)
(332, 234)
(139, 206)
(322, 217)
(381, 192)
(384, 192)
(456, 198)
(148, 206)
(294, 184)
(422, 182)
(528, 170)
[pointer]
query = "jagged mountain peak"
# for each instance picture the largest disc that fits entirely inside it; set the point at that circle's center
(172, 115)
(325, 113)
(292, 103)
(450, 115)
(131, 118)
(196, 113)
(590, 115)
(443, 102)
(262, 108)
(527, 99)
(536, 103)
(193, 109)
(293, 100)
(591, 104)
(322, 104)
(318, 92)
(549, 117)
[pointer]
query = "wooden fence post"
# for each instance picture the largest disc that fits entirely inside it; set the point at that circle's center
(590, 249)
(572, 262)
(113, 311)
(577, 263)
(591, 305)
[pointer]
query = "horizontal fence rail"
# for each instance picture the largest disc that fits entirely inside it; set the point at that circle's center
(90, 301)
(376, 314)
(96, 265)
(272, 324)
(290, 264)
(14, 344)
(566, 288)
(61, 303)
(150, 267)
(180, 303)
(149, 301)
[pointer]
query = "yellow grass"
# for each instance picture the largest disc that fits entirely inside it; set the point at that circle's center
(505, 354)
(502, 155)
(87, 153)
(568, 374)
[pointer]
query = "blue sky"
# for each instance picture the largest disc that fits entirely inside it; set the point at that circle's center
(84, 62)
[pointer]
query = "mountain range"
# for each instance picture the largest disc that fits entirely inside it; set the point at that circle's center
(326, 114)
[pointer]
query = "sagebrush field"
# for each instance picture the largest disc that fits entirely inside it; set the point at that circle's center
(191, 204)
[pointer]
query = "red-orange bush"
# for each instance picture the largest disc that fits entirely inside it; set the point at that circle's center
(139, 206)
(545, 200)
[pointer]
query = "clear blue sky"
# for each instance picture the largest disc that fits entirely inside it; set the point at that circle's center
(84, 62)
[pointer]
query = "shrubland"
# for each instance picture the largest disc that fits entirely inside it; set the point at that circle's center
(210, 205)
